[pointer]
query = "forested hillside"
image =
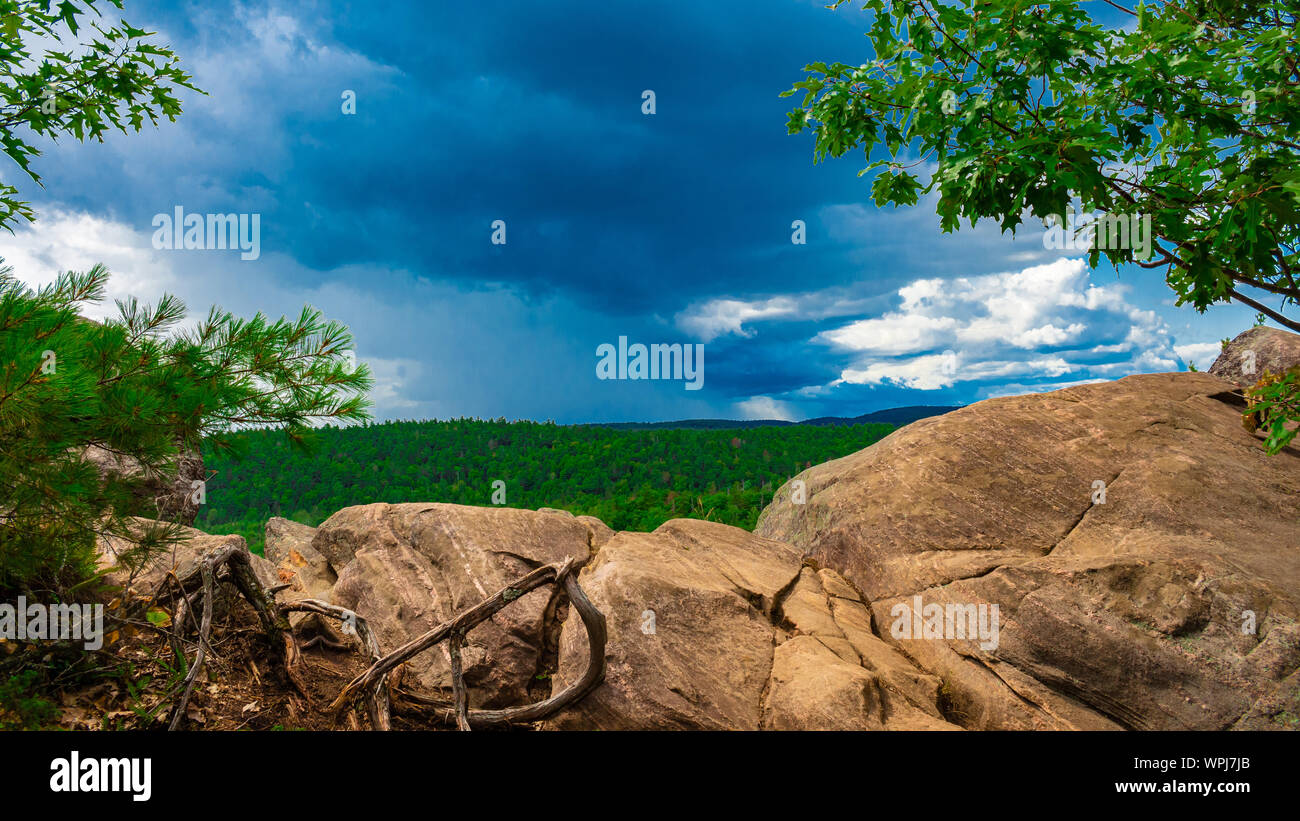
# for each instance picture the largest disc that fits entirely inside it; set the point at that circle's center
(631, 479)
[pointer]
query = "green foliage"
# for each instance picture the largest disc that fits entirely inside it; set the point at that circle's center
(1187, 115)
(630, 479)
(127, 386)
(136, 388)
(111, 82)
(1272, 403)
(22, 704)
(36, 678)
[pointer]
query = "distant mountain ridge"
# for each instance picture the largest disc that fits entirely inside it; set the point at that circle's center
(893, 416)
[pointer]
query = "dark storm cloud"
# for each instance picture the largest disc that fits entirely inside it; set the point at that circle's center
(618, 223)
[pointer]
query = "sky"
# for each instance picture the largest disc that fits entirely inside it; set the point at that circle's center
(671, 227)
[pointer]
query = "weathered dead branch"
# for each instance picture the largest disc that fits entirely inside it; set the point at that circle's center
(456, 628)
(459, 695)
(201, 583)
(205, 628)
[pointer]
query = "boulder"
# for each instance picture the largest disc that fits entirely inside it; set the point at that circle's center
(1131, 535)
(698, 614)
(285, 536)
(299, 565)
(600, 532)
(1254, 352)
(406, 568)
(690, 633)
(701, 617)
(121, 570)
(814, 689)
(824, 605)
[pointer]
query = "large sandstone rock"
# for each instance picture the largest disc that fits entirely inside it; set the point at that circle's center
(600, 532)
(168, 496)
(1117, 609)
(711, 627)
(1256, 351)
(283, 537)
(698, 615)
(406, 568)
(307, 573)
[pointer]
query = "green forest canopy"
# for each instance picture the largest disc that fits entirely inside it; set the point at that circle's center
(630, 479)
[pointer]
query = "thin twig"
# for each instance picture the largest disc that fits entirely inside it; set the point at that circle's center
(460, 697)
(179, 711)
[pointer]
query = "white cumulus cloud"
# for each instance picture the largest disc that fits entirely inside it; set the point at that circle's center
(1043, 322)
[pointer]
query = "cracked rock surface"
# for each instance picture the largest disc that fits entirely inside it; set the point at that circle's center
(712, 627)
(1122, 610)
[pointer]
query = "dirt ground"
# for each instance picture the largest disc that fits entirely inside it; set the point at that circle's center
(133, 681)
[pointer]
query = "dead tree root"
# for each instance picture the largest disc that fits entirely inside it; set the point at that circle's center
(198, 588)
